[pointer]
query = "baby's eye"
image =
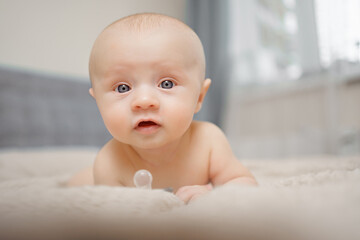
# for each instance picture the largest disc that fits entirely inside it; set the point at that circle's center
(122, 88)
(167, 84)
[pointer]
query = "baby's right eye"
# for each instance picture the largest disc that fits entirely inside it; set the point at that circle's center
(122, 88)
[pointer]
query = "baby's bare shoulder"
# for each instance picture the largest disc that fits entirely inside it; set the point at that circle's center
(206, 129)
(212, 136)
(109, 161)
(107, 152)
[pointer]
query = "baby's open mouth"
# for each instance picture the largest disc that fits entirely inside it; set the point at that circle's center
(147, 124)
(147, 127)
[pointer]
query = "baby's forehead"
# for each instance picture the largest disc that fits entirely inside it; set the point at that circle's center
(120, 42)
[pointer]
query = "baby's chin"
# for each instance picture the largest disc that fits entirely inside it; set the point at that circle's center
(149, 145)
(153, 144)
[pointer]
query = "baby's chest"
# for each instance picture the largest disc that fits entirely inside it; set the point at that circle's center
(191, 172)
(187, 169)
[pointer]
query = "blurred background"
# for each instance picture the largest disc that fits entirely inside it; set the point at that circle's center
(286, 73)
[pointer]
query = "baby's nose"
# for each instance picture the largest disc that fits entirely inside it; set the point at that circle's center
(145, 101)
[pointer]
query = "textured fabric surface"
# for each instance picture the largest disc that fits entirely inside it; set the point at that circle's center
(316, 198)
(47, 110)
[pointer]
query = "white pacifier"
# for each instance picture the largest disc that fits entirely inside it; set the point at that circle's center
(143, 179)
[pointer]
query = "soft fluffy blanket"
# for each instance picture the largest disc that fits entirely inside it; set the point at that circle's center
(317, 198)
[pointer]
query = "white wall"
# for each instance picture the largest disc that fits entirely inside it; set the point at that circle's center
(56, 36)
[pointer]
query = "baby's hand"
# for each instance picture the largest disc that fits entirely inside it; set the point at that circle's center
(190, 193)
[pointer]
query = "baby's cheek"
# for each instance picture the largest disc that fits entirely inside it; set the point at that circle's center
(182, 115)
(115, 122)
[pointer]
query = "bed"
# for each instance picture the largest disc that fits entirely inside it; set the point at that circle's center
(297, 198)
(315, 198)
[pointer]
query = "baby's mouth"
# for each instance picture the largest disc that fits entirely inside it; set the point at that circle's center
(147, 127)
(147, 124)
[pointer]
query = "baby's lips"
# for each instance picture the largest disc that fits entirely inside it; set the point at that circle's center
(146, 123)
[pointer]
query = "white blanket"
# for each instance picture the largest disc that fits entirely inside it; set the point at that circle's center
(317, 198)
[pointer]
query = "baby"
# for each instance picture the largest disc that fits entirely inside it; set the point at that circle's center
(148, 79)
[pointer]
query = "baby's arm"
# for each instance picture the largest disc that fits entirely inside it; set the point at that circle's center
(106, 166)
(224, 167)
(82, 178)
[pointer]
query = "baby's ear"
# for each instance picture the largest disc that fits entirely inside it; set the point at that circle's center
(204, 88)
(91, 91)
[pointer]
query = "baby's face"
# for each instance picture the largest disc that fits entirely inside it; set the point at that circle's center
(147, 85)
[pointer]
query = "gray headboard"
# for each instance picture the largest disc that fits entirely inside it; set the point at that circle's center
(46, 110)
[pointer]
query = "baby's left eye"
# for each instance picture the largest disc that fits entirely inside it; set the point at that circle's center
(167, 84)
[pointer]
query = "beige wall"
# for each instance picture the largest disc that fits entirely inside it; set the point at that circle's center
(56, 36)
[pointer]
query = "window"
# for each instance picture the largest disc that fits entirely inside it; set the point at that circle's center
(263, 41)
(338, 27)
(281, 40)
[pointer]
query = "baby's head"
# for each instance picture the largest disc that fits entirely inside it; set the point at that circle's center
(142, 26)
(148, 78)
